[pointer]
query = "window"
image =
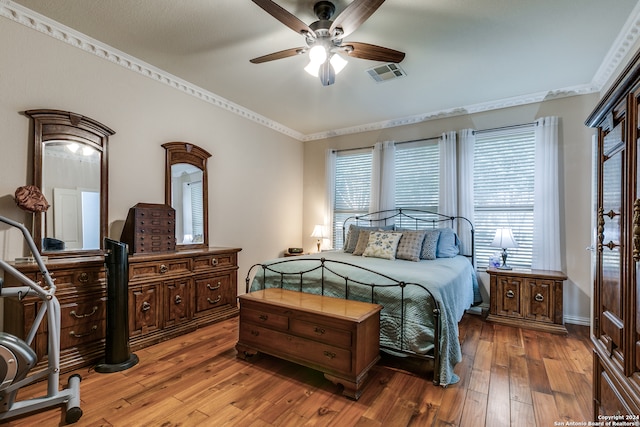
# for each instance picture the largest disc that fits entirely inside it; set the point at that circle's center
(352, 188)
(503, 186)
(417, 168)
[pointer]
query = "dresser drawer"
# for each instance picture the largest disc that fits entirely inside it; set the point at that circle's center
(264, 318)
(82, 311)
(215, 261)
(64, 279)
(319, 332)
(212, 291)
(296, 348)
(82, 333)
(157, 269)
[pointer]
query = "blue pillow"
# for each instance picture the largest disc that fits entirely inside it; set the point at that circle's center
(448, 243)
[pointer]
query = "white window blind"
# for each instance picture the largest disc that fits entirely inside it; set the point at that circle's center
(417, 168)
(353, 188)
(503, 186)
(197, 211)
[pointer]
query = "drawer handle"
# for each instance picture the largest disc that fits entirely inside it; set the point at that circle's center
(539, 297)
(329, 355)
(214, 261)
(263, 317)
(163, 268)
(319, 331)
(177, 299)
(255, 333)
(83, 278)
(146, 306)
(93, 329)
(510, 294)
(213, 288)
(80, 316)
(217, 300)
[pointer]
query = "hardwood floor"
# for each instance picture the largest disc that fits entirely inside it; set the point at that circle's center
(509, 377)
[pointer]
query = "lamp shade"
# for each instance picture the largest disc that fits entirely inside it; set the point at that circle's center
(318, 232)
(504, 239)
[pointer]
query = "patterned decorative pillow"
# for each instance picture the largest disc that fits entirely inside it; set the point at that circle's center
(354, 233)
(430, 244)
(363, 240)
(382, 244)
(410, 245)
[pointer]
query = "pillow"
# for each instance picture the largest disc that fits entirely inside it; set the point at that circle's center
(354, 233)
(448, 243)
(410, 245)
(363, 240)
(430, 244)
(382, 244)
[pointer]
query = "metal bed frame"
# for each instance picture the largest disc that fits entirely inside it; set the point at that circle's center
(418, 219)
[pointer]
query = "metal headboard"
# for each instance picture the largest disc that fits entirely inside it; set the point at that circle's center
(416, 218)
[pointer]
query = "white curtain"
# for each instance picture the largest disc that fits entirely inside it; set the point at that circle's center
(465, 186)
(448, 197)
(383, 178)
(546, 208)
(330, 188)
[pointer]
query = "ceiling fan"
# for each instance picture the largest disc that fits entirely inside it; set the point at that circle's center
(324, 37)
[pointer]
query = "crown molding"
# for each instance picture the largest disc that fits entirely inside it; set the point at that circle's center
(41, 23)
(624, 42)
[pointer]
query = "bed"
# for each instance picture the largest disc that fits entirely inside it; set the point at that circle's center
(423, 299)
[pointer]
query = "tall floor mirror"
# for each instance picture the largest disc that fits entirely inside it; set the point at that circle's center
(70, 166)
(186, 191)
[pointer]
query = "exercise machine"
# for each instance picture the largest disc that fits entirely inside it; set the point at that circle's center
(17, 358)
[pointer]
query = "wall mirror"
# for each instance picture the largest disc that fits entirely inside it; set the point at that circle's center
(186, 191)
(71, 169)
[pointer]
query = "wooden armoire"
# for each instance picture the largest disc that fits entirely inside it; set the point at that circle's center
(616, 296)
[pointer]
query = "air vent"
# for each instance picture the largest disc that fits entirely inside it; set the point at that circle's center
(383, 73)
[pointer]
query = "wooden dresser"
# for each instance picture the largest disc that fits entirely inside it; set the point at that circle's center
(81, 289)
(172, 294)
(338, 337)
(169, 294)
(616, 294)
(527, 299)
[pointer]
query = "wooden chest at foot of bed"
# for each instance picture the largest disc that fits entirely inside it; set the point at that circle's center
(340, 338)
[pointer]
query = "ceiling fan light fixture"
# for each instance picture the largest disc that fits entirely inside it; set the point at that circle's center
(312, 68)
(338, 62)
(317, 54)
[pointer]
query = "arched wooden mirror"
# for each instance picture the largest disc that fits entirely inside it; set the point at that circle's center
(71, 169)
(186, 191)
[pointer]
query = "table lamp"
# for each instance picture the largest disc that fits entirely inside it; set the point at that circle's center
(318, 232)
(504, 239)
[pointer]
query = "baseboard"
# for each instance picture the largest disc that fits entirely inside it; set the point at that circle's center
(575, 320)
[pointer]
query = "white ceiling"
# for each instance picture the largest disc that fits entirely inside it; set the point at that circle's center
(461, 55)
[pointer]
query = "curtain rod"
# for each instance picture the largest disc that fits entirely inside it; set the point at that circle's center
(475, 132)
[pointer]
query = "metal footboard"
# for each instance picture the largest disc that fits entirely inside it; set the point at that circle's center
(320, 266)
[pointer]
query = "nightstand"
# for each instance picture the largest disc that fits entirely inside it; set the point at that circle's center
(527, 298)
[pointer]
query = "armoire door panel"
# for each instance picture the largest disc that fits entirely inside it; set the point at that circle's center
(612, 327)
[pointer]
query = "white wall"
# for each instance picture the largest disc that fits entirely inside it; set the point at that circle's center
(255, 191)
(575, 155)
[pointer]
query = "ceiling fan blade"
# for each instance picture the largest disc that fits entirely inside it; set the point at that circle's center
(279, 55)
(353, 16)
(284, 16)
(373, 52)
